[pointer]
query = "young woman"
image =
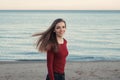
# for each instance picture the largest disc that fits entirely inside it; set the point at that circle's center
(52, 42)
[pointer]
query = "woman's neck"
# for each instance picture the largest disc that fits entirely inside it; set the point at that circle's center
(60, 40)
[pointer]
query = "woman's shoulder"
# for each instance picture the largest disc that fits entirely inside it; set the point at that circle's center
(65, 40)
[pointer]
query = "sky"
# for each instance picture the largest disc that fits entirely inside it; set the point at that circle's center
(59, 4)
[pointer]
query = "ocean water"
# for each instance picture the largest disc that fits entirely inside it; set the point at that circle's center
(91, 35)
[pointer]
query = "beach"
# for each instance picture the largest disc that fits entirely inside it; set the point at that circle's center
(82, 70)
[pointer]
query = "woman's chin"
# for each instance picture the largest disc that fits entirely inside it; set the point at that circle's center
(60, 35)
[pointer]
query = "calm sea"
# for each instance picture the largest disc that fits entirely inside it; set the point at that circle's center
(91, 35)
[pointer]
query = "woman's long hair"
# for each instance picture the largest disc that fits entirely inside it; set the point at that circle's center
(47, 40)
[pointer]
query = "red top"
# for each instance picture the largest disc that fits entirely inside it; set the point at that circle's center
(56, 61)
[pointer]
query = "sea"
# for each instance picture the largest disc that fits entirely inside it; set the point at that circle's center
(92, 35)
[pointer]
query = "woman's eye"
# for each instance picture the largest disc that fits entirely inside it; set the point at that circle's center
(58, 27)
(63, 26)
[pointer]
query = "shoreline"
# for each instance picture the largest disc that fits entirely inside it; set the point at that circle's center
(44, 61)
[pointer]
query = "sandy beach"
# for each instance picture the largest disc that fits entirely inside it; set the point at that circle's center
(37, 70)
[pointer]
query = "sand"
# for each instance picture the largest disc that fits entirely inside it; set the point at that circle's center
(37, 70)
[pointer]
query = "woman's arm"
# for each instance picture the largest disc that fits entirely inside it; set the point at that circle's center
(50, 59)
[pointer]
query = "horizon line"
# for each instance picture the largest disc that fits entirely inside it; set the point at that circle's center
(61, 9)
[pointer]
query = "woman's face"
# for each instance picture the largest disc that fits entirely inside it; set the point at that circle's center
(60, 29)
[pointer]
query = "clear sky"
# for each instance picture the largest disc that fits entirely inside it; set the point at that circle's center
(59, 4)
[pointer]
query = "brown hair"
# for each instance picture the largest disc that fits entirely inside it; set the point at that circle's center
(47, 40)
